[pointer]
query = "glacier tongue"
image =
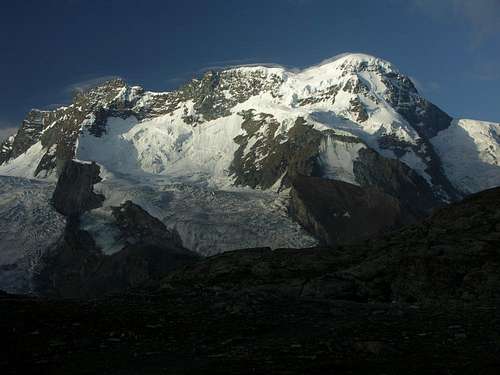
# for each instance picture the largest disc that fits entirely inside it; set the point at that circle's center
(209, 221)
(28, 226)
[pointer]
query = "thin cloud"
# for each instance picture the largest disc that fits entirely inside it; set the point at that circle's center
(299, 2)
(222, 67)
(175, 80)
(218, 66)
(482, 16)
(433, 86)
(426, 87)
(87, 84)
(53, 106)
(237, 63)
(6, 130)
(335, 58)
(487, 71)
(417, 84)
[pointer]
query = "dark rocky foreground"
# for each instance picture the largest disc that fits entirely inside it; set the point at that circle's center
(243, 333)
(422, 300)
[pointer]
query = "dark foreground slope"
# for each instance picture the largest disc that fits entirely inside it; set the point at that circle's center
(423, 300)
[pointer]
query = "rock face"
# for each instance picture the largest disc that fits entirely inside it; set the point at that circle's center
(74, 193)
(29, 133)
(75, 267)
(396, 179)
(453, 255)
(138, 227)
(272, 156)
(6, 149)
(338, 212)
(64, 267)
(390, 195)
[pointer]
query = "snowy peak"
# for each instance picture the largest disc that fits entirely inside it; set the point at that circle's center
(254, 115)
(350, 63)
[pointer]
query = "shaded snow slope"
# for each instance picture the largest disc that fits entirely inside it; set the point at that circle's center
(25, 164)
(470, 152)
(28, 225)
(208, 221)
(336, 159)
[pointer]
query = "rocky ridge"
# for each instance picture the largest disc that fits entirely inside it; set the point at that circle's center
(355, 95)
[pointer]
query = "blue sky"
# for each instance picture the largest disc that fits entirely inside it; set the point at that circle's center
(451, 48)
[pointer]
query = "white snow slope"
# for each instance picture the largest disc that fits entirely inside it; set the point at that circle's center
(470, 152)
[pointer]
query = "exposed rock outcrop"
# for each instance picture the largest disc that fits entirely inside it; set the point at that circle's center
(273, 156)
(396, 179)
(75, 267)
(29, 133)
(74, 193)
(138, 227)
(64, 267)
(337, 212)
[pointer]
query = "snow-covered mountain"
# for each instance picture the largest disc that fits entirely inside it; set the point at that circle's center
(215, 159)
(211, 127)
